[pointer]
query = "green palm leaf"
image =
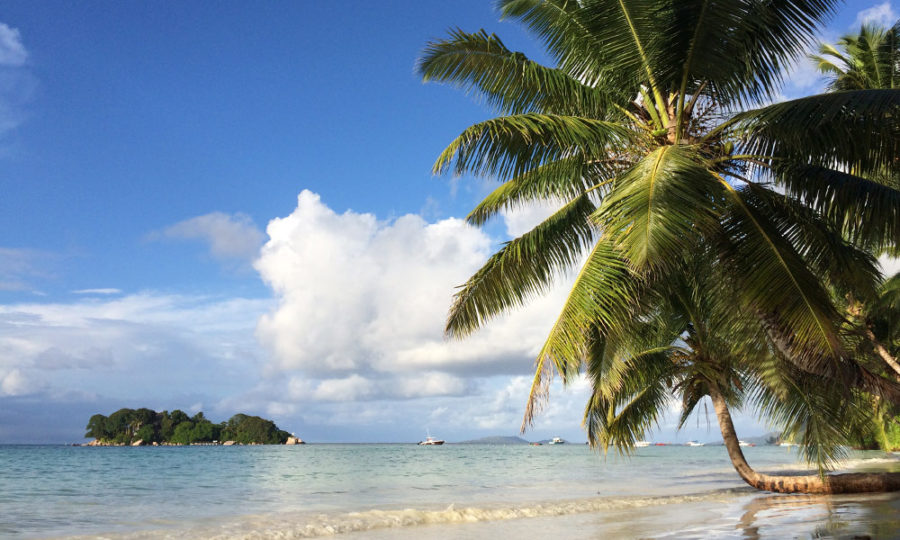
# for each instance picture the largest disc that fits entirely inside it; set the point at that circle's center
(856, 129)
(524, 267)
(868, 212)
(772, 278)
(510, 81)
(660, 206)
(559, 180)
(512, 145)
(822, 246)
(602, 298)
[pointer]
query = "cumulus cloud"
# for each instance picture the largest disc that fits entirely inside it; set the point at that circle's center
(523, 219)
(230, 237)
(882, 14)
(362, 304)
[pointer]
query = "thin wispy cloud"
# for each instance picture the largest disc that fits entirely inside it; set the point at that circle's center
(229, 237)
(17, 85)
(883, 15)
(12, 51)
(108, 291)
(20, 268)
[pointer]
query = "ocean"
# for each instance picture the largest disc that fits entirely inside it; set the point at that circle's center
(380, 491)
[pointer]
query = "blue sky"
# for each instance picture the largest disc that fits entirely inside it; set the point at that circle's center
(230, 207)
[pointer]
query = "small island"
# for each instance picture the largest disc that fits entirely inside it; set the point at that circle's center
(139, 427)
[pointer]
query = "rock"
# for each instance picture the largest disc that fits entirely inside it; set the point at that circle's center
(294, 440)
(139, 442)
(155, 443)
(228, 443)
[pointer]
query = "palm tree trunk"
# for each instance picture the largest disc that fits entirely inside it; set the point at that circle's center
(838, 483)
(883, 353)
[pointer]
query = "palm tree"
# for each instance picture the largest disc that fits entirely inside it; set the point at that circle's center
(865, 61)
(869, 59)
(687, 341)
(652, 135)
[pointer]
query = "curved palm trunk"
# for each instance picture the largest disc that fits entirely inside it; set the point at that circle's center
(839, 483)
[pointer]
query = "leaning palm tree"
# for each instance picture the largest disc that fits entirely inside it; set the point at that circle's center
(652, 136)
(686, 341)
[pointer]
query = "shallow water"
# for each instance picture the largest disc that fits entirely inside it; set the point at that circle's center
(396, 491)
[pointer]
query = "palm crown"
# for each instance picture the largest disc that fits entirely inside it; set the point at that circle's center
(652, 135)
(869, 59)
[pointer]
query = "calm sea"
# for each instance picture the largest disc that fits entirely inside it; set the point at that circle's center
(364, 491)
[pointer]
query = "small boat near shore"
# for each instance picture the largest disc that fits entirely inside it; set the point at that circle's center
(694, 443)
(745, 443)
(431, 441)
(642, 444)
(556, 440)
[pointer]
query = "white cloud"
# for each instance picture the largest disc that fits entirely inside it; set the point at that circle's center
(882, 14)
(135, 345)
(12, 51)
(362, 305)
(229, 236)
(522, 220)
(17, 85)
(889, 265)
(101, 291)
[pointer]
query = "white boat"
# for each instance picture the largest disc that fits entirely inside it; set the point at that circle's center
(431, 441)
(785, 443)
(745, 443)
(642, 444)
(694, 443)
(556, 440)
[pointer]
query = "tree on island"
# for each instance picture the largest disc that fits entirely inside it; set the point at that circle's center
(126, 426)
(654, 134)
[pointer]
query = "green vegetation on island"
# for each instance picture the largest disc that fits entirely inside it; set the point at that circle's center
(128, 426)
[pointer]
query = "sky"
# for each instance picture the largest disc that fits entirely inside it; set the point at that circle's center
(229, 207)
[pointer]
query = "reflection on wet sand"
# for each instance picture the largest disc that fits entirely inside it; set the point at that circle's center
(827, 516)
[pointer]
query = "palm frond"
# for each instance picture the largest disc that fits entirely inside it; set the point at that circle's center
(771, 278)
(512, 145)
(558, 180)
(619, 415)
(508, 80)
(809, 411)
(741, 47)
(823, 247)
(602, 298)
(855, 130)
(569, 30)
(659, 206)
(866, 211)
(522, 268)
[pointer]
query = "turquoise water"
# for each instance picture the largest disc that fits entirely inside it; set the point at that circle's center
(389, 491)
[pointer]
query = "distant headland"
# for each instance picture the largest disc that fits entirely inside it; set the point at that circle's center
(146, 427)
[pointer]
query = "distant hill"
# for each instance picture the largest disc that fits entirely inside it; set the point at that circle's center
(496, 440)
(760, 440)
